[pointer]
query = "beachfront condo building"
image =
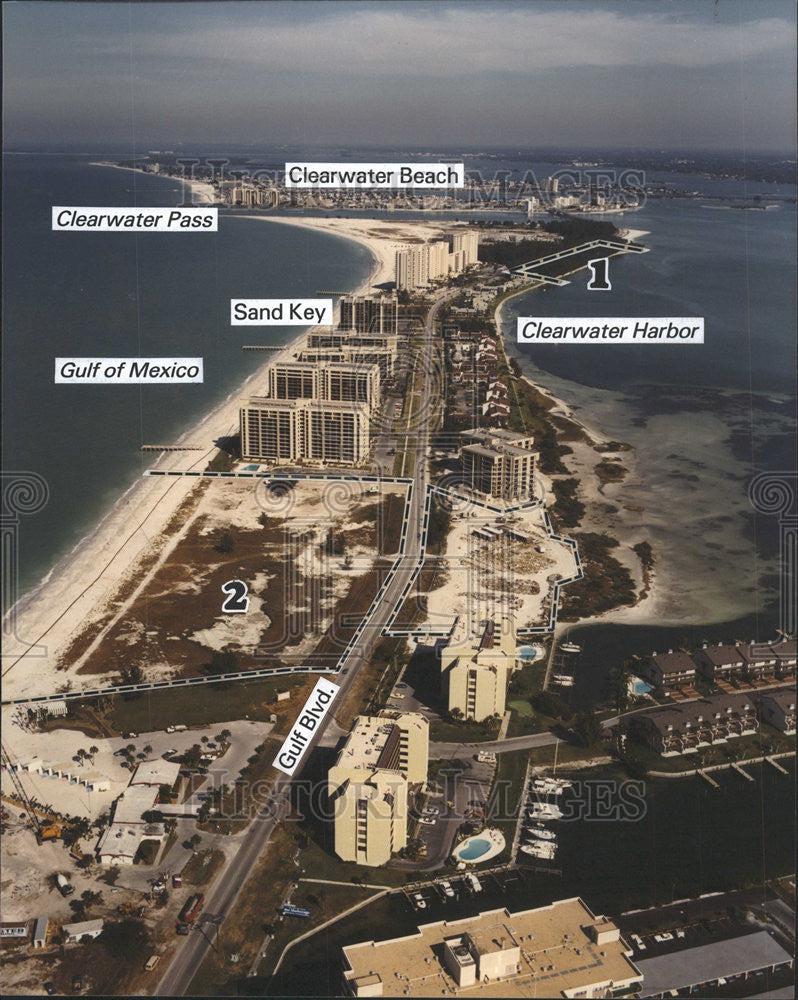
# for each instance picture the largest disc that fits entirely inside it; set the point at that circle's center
(304, 430)
(369, 313)
(381, 349)
(466, 244)
(498, 463)
(383, 758)
(475, 669)
(562, 950)
(335, 381)
(417, 266)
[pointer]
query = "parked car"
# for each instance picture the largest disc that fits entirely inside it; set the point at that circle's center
(428, 820)
(49, 989)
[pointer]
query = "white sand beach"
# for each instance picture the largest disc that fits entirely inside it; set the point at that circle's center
(82, 587)
(202, 192)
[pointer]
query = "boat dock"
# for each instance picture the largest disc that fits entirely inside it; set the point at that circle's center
(775, 763)
(712, 781)
(740, 770)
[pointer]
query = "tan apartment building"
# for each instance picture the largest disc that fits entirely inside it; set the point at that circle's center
(368, 786)
(369, 313)
(335, 381)
(498, 463)
(476, 669)
(304, 430)
(559, 950)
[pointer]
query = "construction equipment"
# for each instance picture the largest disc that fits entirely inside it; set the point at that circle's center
(50, 831)
(19, 788)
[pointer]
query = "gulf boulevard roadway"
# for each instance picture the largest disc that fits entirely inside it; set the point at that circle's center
(192, 950)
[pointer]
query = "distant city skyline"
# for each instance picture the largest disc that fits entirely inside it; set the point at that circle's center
(713, 76)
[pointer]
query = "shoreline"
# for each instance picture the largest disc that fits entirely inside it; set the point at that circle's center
(593, 491)
(80, 588)
(203, 189)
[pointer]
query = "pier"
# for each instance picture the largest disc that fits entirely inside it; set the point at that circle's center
(172, 447)
(775, 763)
(712, 781)
(264, 347)
(740, 770)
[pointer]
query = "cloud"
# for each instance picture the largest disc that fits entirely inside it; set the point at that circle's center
(446, 42)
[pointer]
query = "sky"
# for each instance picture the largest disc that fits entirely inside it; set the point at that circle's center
(700, 74)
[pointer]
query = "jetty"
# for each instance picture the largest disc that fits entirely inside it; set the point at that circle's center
(712, 781)
(741, 771)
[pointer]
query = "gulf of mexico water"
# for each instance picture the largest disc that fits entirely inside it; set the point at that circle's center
(119, 295)
(703, 419)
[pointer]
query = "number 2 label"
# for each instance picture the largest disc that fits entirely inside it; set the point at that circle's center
(236, 602)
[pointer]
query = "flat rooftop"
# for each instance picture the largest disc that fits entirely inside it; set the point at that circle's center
(557, 954)
(365, 742)
(708, 962)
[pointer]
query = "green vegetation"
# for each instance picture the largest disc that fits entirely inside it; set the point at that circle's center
(222, 461)
(567, 510)
(645, 554)
(528, 409)
(200, 704)
(610, 471)
(126, 940)
(324, 903)
(606, 583)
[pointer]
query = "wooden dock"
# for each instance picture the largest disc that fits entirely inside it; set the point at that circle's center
(776, 764)
(740, 770)
(712, 781)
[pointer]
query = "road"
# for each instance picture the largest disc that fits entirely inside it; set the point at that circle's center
(221, 898)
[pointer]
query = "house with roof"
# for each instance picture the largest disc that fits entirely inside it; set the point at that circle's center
(719, 662)
(695, 725)
(778, 710)
(670, 670)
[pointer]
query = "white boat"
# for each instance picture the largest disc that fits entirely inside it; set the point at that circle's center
(544, 811)
(546, 851)
(540, 832)
(551, 786)
(473, 882)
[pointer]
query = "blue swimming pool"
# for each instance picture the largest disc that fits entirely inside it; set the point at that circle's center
(250, 468)
(640, 687)
(527, 652)
(474, 849)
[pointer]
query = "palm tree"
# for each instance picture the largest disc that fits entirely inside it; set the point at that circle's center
(93, 751)
(148, 749)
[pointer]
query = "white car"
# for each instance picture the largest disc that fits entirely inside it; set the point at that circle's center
(432, 811)
(428, 820)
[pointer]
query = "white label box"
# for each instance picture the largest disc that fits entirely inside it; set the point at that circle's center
(610, 330)
(70, 219)
(307, 723)
(280, 312)
(128, 371)
(374, 175)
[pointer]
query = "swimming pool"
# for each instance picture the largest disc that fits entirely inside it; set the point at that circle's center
(480, 847)
(527, 653)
